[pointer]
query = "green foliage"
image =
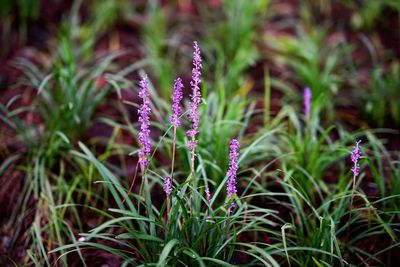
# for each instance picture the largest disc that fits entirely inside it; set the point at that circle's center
(18, 13)
(368, 13)
(68, 92)
(230, 42)
(316, 64)
(310, 153)
(67, 96)
(381, 100)
(106, 14)
(202, 234)
(159, 52)
(386, 175)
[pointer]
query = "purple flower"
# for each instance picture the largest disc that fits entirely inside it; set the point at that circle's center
(194, 116)
(355, 156)
(144, 114)
(233, 167)
(307, 102)
(176, 100)
(208, 195)
(168, 185)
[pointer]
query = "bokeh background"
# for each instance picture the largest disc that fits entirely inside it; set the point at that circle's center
(258, 56)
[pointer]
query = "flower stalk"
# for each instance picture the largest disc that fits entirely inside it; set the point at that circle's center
(168, 189)
(144, 133)
(176, 112)
(194, 115)
(355, 156)
(233, 167)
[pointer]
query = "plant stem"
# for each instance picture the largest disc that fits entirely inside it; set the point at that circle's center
(227, 230)
(192, 161)
(192, 177)
(144, 182)
(173, 154)
(143, 186)
(168, 217)
(133, 182)
(352, 194)
(351, 201)
(172, 179)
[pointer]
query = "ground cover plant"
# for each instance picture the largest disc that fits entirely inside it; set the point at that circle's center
(200, 133)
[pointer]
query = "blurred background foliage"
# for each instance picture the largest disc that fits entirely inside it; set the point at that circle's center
(68, 88)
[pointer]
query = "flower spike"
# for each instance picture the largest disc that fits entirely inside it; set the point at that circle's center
(144, 119)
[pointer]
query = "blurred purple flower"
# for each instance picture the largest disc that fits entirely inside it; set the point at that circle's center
(168, 185)
(208, 195)
(194, 116)
(355, 156)
(307, 102)
(176, 100)
(233, 167)
(144, 119)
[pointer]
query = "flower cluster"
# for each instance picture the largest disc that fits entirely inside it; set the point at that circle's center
(194, 116)
(355, 156)
(168, 185)
(233, 167)
(307, 102)
(144, 114)
(176, 100)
